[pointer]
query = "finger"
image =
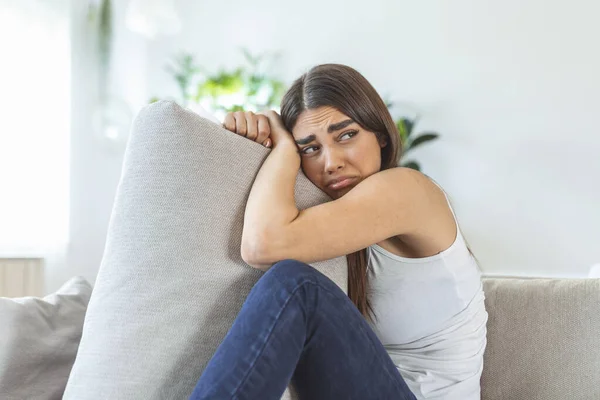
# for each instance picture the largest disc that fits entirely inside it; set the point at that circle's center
(264, 129)
(240, 123)
(252, 124)
(229, 122)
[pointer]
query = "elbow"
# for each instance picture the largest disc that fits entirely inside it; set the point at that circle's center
(248, 252)
(255, 254)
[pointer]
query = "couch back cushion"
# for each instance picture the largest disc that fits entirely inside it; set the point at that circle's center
(543, 339)
(172, 280)
(39, 338)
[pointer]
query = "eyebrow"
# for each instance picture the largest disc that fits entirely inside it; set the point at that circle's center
(332, 128)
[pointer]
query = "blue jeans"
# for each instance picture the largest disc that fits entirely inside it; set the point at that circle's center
(296, 324)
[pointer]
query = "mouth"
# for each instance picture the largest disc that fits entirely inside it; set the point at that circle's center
(341, 184)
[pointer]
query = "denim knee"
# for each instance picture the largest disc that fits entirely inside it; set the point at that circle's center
(292, 268)
(296, 272)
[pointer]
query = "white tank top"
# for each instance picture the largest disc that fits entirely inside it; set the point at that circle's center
(431, 318)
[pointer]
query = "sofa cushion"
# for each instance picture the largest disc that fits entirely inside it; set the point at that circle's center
(38, 341)
(172, 280)
(543, 339)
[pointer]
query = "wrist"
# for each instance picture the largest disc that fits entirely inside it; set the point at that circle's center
(289, 152)
(286, 143)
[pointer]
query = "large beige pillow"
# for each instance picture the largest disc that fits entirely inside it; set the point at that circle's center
(38, 341)
(172, 279)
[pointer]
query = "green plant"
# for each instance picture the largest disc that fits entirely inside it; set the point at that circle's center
(244, 88)
(410, 142)
(183, 70)
(409, 139)
(100, 15)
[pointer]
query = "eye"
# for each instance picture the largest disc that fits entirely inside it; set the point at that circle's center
(350, 134)
(304, 150)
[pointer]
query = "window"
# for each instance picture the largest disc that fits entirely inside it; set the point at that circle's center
(34, 125)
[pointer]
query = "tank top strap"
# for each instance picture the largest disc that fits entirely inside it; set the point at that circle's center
(447, 201)
(459, 235)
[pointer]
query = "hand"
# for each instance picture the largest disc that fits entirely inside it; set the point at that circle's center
(265, 127)
(278, 133)
(252, 126)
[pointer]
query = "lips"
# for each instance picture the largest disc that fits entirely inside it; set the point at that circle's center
(341, 182)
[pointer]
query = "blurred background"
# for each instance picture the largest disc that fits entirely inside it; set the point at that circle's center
(499, 101)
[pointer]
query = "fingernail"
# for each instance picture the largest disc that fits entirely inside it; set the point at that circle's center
(268, 143)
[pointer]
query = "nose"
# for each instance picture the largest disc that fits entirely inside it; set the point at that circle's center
(334, 160)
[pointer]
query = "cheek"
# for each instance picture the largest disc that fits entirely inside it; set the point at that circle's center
(368, 157)
(310, 169)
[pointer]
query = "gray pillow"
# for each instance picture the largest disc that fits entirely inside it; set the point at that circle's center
(172, 280)
(542, 339)
(38, 341)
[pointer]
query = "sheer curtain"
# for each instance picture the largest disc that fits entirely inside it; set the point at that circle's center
(34, 127)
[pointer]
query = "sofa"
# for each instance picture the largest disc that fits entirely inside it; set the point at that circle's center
(542, 339)
(172, 280)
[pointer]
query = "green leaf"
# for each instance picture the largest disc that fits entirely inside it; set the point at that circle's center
(252, 60)
(412, 165)
(423, 138)
(227, 82)
(402, 130)
(153, 100)
(205, 89)
(105, 32)
(222, 83)
(235, 108)
(410, 124)
(255, 82)
(246, 81)
(278, 90)
(183, 69)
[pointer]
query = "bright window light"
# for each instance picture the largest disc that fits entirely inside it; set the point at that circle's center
(34, 125)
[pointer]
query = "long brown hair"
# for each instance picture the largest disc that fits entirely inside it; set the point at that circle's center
(346, 90)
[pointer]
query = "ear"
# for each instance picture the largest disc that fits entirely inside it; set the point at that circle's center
(383, 141)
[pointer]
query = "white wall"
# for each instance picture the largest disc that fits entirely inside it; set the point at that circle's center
(512, 87)
(95, 169)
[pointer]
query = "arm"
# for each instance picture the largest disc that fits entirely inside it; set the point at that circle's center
(389, 203)
(394, 202)
(271, 204)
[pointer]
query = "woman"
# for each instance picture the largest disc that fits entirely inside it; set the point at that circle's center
(420, 332)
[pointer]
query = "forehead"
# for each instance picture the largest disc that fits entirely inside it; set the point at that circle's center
(317, 120)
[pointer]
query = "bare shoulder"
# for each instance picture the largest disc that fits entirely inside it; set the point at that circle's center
(417, 196)
(412, 184)
(398, 202)
(434, 228)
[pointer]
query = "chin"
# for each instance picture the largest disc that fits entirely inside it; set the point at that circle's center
(334, 195)
(340, 193)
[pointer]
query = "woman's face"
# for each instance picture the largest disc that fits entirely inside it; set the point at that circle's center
(332, 147)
